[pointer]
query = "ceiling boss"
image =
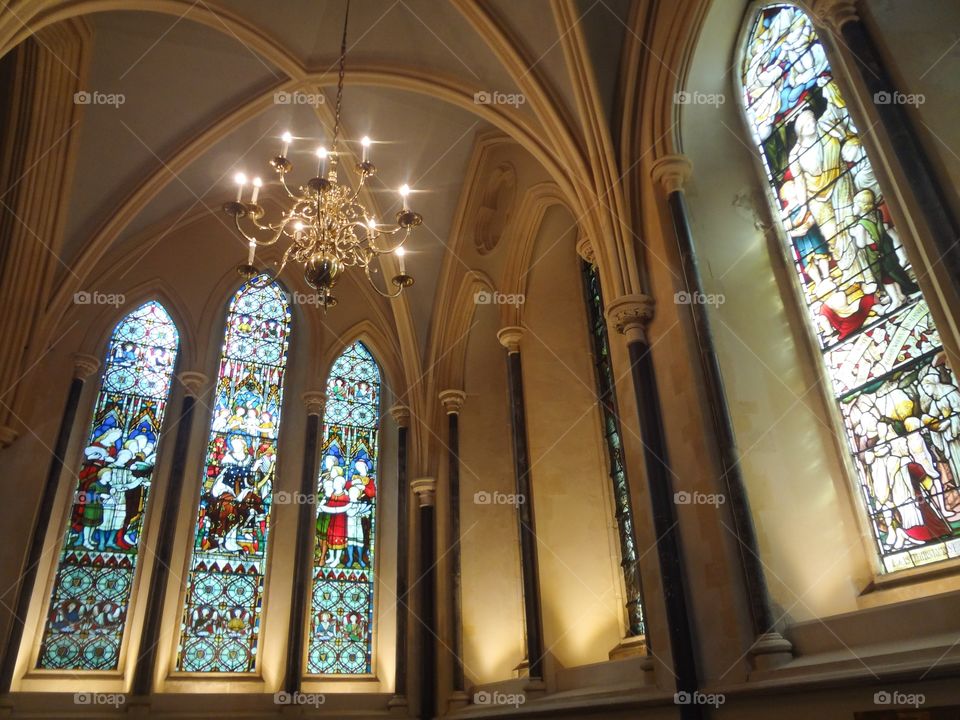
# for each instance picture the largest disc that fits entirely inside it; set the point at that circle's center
(327, 227)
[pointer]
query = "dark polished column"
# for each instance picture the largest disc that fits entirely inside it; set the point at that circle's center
(193, 384)
(83, 367)
(769, 648)
(631, 314)
(401, 415)
(425, 488)
(510, 337)
(314, 401)
(840, 17)
(453, 403)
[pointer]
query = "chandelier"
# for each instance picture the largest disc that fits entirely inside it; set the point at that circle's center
(325, 225)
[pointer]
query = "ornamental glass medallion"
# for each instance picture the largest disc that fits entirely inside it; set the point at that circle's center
(220, 627)
(341, 614)
(91, 593)
(897, 394)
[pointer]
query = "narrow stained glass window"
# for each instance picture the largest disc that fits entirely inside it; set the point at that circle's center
(91, 593)
(221, 619)
(341, 616)
(897, 394)
(606, 396)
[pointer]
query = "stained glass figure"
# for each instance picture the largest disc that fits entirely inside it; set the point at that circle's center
(607, 398)
(220, 627)
(91, 594)
(341, 614)
(897, 394)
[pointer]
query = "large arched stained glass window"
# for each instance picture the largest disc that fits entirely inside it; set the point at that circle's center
(341, 616)
(88, 608)
(896, 392)
(221, 619)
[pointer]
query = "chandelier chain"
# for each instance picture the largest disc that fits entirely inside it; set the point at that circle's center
(342, 73)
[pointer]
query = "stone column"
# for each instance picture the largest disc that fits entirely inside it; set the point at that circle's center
(425, 489)
(314, 401)
(630, 315)
(401, 416)
(83, 367)
(193, 386)
(510, 338)
(840, 18)
(770, 648)
(452, 403)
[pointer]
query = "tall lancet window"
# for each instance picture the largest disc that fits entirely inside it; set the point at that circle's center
(221, 619)
(341, 615)
(896, 393)
(91, 594)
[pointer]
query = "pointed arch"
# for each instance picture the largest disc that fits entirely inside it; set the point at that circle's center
(221, 620)
(86, 621)
(880, 348)
(342, 598)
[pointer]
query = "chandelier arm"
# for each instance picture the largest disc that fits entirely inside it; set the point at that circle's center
(366, 270)
(257, 241)
(292, 195)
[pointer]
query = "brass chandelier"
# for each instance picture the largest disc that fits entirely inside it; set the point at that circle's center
(326, 225)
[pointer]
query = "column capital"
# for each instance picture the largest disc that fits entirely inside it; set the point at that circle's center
(833, 14)
(193, 382)
(401, 415)
(672, 172)
(585, 250)
(452, 401)
(84, 365)
(510, 338)
(630, 315)
(314, 400)
(425, 490)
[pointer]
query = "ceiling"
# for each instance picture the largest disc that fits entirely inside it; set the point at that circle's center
(180, 74)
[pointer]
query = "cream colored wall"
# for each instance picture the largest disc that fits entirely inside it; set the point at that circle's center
(493, 630)
(580, 579)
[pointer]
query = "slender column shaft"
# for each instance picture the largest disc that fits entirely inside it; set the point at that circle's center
(453, 402)
(302, 569)
(402, 416)
(162, 552)
(84, 365)
(425, 490)
(510, 338)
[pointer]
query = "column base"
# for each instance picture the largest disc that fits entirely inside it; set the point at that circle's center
(629, 647)
(137, 707)
(7, 436)
(457, 701)
(535, 688)
(770, 650)
(397, 705)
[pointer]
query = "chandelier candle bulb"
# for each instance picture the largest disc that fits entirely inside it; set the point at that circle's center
(366, 149)
(322, 164)
(251, 251)
(257, 184)
(400, 252)
(241, 180)
(287, 139)
(404, 192)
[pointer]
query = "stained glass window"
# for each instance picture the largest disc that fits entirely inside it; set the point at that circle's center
(341, 615)
(897, 395)
(607, 399)
(88, 608)
(220, 627)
